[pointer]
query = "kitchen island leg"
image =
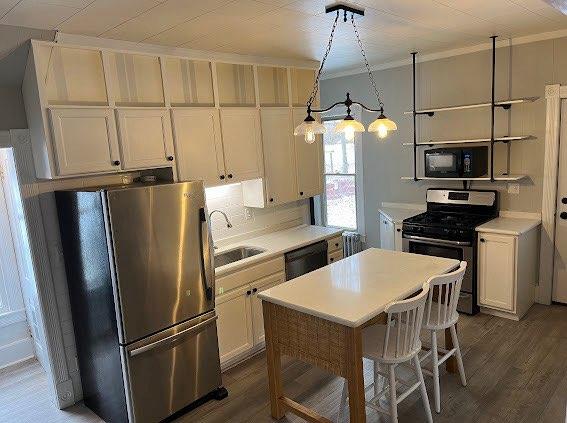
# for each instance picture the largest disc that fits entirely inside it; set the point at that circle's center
(273, 357)
(357, 402)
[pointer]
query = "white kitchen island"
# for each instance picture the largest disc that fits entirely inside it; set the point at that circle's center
(319, 317)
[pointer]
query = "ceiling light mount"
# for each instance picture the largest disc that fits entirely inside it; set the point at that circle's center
(310, 127)
(346, 8)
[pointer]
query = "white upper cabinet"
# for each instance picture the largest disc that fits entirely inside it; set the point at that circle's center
(279, 182)
(145, 138)
(189, 82)
(273, 86)
(242, 144)
(72, 76)
(198, 144)
(84, 140)
(309, 161)
(235, 84)
(301, 85)
(135, 79)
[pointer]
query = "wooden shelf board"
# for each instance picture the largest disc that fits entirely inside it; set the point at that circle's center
(473, 106)
(471, 141)
(503, 178)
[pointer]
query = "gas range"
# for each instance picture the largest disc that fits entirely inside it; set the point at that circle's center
(447, 229)
(450, 226)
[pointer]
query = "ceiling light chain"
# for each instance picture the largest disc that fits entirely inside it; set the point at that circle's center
(366, 62)
(327, 51)
(310, 127)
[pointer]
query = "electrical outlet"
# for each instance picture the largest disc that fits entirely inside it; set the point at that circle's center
(248, 214)
(514, 188)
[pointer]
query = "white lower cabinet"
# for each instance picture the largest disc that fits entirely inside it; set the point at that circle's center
(387, 233)
(497, 266)
(145, 138)
(234, 323)
(257, 313)
(240, 318)
(507, 272)
(85, 140)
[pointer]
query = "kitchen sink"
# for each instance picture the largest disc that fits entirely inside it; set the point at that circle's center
(236, 254)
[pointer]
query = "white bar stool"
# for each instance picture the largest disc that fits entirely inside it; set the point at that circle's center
(440, 314)
(392, 344)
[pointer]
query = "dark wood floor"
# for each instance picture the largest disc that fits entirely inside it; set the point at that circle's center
(517, 372)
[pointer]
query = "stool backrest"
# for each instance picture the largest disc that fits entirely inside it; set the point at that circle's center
(445, 290)
(404, 326)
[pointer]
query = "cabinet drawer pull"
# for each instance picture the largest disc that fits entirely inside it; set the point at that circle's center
(169, 158)
(300, 192)
(271, 200)
(229, 176)
(482, 240)
(221, 177)
(116, 162)
(332, 259)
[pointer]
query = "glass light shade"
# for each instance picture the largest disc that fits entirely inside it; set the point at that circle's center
(382, 125)
(309, 128)
(349, 127)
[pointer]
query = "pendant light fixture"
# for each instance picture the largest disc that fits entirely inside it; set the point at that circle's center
(309, 128)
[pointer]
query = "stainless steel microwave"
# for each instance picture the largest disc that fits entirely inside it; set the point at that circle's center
(470, 162)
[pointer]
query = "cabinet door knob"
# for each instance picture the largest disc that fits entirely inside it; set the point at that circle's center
(301, 193)
(564, 200)
(254, 290)
(336, 244)
(221, 177)
(248, 292)
(229, 176)
(563, 215)
(116, 162)
(271, 200)
(399, 230)
(169, 158)
(482, 240)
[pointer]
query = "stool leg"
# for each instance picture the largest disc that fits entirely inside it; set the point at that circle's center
(435, 365)
(459, 356)
(377, 379)
(423, 389)
(393, 396)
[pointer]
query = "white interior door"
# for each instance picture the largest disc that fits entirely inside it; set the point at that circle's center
(560, 261)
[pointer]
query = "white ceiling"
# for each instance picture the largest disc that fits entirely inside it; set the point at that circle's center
(298, 29)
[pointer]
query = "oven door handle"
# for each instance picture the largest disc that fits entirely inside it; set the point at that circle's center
(434, 241)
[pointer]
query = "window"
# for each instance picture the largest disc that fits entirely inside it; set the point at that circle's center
(340, 197)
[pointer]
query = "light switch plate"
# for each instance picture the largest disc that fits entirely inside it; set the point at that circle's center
(513, 188)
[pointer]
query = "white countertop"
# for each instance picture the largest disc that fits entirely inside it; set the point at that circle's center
(276, 243)
(397, 215)
(508, 225)
(358, 288)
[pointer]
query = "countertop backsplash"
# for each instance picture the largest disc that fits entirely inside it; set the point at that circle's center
(248, 222)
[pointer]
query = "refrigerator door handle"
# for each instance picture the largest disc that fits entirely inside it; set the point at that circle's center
(193, 330)
(207, 254)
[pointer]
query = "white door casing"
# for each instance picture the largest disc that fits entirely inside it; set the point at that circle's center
(559, 293)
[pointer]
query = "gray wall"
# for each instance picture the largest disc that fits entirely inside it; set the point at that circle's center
(522, 71)
(13, 55)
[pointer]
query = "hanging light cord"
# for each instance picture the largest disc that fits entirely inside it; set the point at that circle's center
(366, 62)
(327, 51)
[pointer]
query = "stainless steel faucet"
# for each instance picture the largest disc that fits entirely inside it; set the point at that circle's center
(228, 224)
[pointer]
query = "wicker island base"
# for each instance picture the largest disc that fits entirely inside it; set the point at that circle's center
(328, 345)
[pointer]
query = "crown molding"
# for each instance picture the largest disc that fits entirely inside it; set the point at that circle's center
(453, 52)
(88, 41)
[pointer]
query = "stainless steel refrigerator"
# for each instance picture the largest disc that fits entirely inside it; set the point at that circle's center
(141, 282)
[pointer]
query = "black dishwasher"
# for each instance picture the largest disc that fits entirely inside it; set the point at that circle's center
(306, 259)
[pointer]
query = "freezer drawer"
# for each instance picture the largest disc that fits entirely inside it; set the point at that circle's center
(172, 369)
(162, 254)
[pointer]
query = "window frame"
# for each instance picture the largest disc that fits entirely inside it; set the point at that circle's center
(356, 112)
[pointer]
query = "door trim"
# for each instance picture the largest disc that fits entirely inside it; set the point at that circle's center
(553, 95)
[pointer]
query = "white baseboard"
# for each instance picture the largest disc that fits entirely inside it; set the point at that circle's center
(16, 352)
